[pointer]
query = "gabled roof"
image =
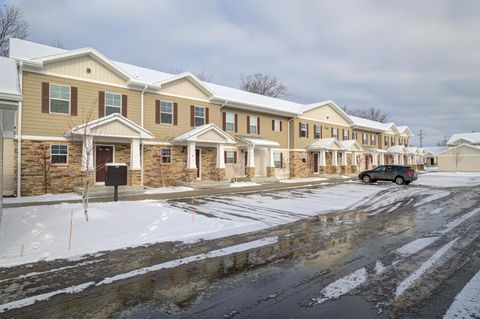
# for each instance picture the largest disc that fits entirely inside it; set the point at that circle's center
(434, 150)
(193, 134)
(115, 117)
(337, 109)
(362, 123)
(473, 147)
(351, 145)
(397, 149)
(411, 150)
(257, 141)
(9, 88)
(404, 129)
(466, 138)
(190, 77)
(325, 144)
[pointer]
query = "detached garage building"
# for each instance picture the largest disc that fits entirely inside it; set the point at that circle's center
(462, 155)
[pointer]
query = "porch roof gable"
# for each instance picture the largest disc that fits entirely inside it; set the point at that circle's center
(208, 133)
(325, 144)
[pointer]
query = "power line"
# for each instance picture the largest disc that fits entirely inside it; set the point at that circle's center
(421, 135)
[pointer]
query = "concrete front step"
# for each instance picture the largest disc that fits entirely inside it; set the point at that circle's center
(100, 190)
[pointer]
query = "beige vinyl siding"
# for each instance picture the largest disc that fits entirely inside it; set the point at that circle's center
(77, 67)
(298, 142)
(183, 87)
(8, 167)
(378, 136)
(326, 114)
(266, 131)
(165, 132)
(461, 159)
(46, 124)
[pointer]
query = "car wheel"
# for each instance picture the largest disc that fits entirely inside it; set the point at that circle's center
(399, 180)
(366, 179)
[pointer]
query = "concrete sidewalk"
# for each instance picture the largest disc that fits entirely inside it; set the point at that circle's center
(196, 192)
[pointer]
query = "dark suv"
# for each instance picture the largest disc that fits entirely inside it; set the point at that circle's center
(396, 173)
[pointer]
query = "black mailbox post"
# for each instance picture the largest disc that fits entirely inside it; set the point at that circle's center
(115, 175)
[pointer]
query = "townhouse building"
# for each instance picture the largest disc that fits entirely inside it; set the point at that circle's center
(87, 110)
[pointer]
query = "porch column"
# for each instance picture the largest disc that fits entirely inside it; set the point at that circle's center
(191, 157)
(135, 155)
(400, 157)
(382, 159)
(251, 156)
(220, 156)
(344, 159)
(354, 159)
(322, 157)
(334, 158)
(375, 159)
(271, 162)
(87, 153)
(395, 159)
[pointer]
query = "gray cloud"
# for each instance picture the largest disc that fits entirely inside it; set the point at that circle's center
(417, 60)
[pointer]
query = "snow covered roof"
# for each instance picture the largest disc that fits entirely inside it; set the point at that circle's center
(373, 149)
(411, 150)
(195, 135)
(369, 124)
(468, 138)
(434, 150)
(396, 149)
(351, 145)
(9, 89)
(38, 54)
(257, 141)
(325, 144)
(404, 129)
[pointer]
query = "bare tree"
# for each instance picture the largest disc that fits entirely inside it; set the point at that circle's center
(12, 25)
(457, 156)
(42, 156)
(371, 113)
(260, 83)
(205, 77)
(83, 132)
(443, 142)
(285, 167)
(58, 44)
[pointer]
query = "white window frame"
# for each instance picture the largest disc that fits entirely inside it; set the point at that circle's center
(66, 155)
(319, 127)
(303, 130)
(335, 132)
(195, 107)
(276, 125)
(60, 99)
(279, 159)
(105, 103)
(162, 156)
(232, 122)
(229, 157)
(171, 104)
(253, 119)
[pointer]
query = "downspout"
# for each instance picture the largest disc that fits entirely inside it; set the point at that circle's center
(19, 133)
(141, 124)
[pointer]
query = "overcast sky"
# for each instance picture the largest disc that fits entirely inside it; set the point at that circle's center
(417, 60)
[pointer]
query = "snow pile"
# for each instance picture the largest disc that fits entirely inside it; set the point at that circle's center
(342, 286)
(446, 179)
(43, 198)
(243, 184)
(166, 190)
(37, 233)
(410, 280)
(303, 180)
(467, 302)
(379, 267)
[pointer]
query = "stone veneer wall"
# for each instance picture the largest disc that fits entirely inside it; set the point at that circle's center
(62, 178)
(173, 173)
(297, 167)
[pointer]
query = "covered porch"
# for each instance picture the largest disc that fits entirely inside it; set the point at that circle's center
(111, 139)
(398, 154)
(329, 156)
(374, 157)
(258, 156)
(206, 153)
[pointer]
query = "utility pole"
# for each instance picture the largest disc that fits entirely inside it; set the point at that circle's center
(421, 135)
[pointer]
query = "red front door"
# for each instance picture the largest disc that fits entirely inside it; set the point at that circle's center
(103, 155)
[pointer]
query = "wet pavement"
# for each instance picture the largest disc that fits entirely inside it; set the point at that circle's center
(344, 264)
(292, 287)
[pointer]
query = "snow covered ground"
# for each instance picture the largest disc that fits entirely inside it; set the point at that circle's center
(42, 232)
(303, 180)
(243, 184)
(166, 190)
(447, 179)
(467, 302)
(43, 198)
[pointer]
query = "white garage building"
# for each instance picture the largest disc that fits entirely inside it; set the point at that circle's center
(462, 155)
